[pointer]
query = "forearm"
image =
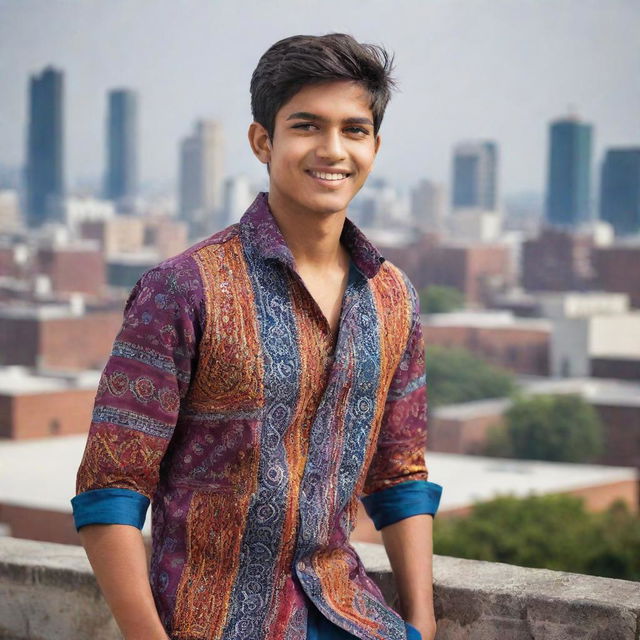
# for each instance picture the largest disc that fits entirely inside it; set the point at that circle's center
(409, 545)
(118, 558)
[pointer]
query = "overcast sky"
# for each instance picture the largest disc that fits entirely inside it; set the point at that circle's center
(468, 69)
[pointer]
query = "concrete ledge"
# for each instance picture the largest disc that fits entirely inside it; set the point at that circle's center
(477, 600)
(48, 592)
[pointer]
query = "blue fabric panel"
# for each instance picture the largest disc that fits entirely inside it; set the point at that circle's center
(402, 501)
(319, 628)
(110, 506)
(412, 632)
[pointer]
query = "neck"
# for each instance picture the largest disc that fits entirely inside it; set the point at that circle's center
(313, 238)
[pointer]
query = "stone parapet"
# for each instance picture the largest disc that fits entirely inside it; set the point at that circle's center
(48, 592)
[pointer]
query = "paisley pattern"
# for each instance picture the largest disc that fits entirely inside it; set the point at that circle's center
(225, 403)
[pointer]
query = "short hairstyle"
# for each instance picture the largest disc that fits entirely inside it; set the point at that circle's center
(297, 61)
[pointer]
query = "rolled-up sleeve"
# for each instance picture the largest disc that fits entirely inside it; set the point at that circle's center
(397, 484)
(138, 399)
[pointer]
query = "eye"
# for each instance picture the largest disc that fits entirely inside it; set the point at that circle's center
(304, 126)
(358, 130)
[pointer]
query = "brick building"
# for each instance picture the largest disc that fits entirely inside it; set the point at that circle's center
(167, 237)
(520, 345)
(617, 269)
(72, 269)
(131, 234)
(38, 405)
(479, 270)
(56, 336)
(463, 428)
(120, 234)
(557, 260)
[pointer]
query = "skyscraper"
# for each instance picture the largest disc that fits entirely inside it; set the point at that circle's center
(569, 172)
(45, 147)
(121, 177)
(475, 176)
(620, 190)
(428, 206)
(201, 158)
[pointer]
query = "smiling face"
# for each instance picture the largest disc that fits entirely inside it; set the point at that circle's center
(322, 150)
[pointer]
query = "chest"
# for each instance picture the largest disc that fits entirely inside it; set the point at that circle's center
(270, 337)
(327, 293)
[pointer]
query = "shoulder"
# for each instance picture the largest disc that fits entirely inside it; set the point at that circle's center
(394, 284)
(181, 275)
(177, 282)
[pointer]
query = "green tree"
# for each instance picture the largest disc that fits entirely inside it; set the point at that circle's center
(440, 299)
(554, 427)
(550, 531)
(456, 375)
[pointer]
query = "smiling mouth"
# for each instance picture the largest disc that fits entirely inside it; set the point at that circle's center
(329, 176)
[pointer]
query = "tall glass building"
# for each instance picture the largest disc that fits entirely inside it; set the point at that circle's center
(569, 173)
(121, 179)
(620, 190)
(45, 147)
(475, 175)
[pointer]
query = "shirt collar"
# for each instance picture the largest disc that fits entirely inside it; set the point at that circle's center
(260, 227)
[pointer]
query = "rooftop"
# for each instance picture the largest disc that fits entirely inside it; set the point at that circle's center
(485, 319)
(594, 390)
(41, 473)
(500, 476)
(17, 380)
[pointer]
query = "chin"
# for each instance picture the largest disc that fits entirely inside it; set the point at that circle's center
(330, 203)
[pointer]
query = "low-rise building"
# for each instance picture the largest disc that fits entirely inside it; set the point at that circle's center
(464, 428)
(41, 404)
(520, 345)
(57, 336)
(617, 268)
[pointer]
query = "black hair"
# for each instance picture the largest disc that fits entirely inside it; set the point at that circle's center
(297, 61)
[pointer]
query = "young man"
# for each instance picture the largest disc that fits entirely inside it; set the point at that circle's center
(263, 382)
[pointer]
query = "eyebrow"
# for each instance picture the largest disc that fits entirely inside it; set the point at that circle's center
(305, 115)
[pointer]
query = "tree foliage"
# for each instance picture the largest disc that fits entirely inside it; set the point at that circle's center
(440, 299)
(551, 531)
(456, 375)
(562, 428)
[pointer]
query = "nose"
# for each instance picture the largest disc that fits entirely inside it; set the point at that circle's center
(331, 147)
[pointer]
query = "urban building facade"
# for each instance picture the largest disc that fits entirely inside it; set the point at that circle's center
(45, 147)
(569, 173)
(557, 260)
(617, 268)
(201, 175)
(429, 206)
(620, 190)
(475, 176)
(121, 177)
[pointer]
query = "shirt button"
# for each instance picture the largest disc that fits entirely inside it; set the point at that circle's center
(301, 566)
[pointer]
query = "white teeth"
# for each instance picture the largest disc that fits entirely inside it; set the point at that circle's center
(329, 176)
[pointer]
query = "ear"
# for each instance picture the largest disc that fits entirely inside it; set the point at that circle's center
(260, 142)
(378, 141)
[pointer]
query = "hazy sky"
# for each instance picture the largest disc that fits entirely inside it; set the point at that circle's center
(467, 69)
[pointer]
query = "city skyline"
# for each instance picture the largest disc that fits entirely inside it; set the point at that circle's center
(505, 87)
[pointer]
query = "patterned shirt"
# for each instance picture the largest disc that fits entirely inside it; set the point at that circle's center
(226, 405)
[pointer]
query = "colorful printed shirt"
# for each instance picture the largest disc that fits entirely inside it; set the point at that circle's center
(225, 405)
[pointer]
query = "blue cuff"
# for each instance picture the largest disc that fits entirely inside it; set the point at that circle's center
(110, 506)
(402, 501)
(412, 632)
